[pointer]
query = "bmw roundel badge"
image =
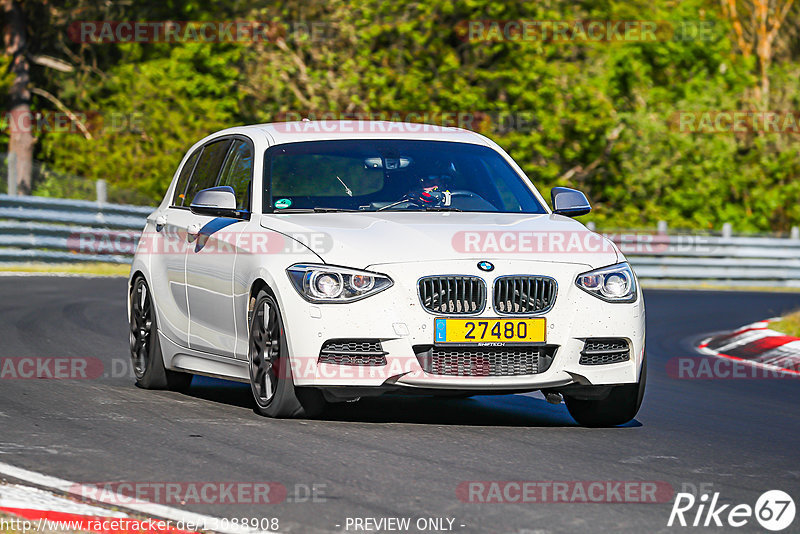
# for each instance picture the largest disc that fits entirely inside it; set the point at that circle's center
(485, 266)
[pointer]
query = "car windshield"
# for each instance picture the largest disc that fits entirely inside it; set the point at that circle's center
(398, 175)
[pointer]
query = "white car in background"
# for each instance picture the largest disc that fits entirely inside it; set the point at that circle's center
(329, 261)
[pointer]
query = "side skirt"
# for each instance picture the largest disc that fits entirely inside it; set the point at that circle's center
(177, 358)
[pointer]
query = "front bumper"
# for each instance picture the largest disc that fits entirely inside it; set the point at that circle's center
(397, 318)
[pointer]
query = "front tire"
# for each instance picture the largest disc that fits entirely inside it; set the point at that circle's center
(146, 356)
(620, 406)
(270, 371)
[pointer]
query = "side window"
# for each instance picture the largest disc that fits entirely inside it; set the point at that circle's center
(238, 172)
(183, 179)
(207, 168)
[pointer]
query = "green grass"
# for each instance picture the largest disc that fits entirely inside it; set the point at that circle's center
(96, 269)
(789, 324)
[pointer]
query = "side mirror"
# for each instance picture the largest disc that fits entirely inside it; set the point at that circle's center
(569, 202)
(219, 201)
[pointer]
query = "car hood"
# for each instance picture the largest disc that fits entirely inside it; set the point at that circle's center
(366, 239)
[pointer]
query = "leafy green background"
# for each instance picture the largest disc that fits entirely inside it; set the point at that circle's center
(598, 117)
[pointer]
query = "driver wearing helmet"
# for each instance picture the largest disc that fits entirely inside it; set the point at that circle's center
(434, 189)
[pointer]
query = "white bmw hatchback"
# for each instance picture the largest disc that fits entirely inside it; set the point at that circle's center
(328, 261)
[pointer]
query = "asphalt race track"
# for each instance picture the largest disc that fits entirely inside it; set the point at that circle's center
(396, 457)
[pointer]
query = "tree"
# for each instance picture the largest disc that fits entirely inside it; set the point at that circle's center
(21, 141)
(756, 25)
(593, 115)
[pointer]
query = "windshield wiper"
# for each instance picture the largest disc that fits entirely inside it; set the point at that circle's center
(346, 210)
(331, 210)
(421, 208)
(312, 210)
(393, 204)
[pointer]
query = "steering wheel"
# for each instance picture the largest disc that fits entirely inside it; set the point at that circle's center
(445, 198)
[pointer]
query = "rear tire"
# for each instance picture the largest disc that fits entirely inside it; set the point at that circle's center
(621, 405)
(146, 356)
(270, 371)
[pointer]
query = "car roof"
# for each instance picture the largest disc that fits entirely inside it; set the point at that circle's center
(324, 130)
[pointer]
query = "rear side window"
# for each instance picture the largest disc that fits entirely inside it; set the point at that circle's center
(207, 168)
(238, 173)
(183, 178)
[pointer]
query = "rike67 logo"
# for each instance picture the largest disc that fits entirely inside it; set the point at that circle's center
(774, 510)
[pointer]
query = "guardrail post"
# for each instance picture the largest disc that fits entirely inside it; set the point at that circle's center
(12, 174)
(662, 227)
(727, 230)
(590, 226)
(795, 233)
(102, 192)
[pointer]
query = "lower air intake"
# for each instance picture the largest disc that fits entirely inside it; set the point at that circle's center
(604, 351)
(485, 361)
(353, 352)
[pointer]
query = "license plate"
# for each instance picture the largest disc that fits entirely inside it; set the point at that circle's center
(469, 331)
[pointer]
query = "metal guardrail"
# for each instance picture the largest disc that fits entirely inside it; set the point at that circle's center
(713, 260)
(50, 230)
(56, 210)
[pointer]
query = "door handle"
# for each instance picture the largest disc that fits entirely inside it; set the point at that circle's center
(193, 230)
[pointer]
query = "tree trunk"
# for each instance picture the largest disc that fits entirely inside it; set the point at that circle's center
(763, 50)
(21, 122)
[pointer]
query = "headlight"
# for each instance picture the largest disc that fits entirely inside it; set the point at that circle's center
(615, 283)
(323, 283)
